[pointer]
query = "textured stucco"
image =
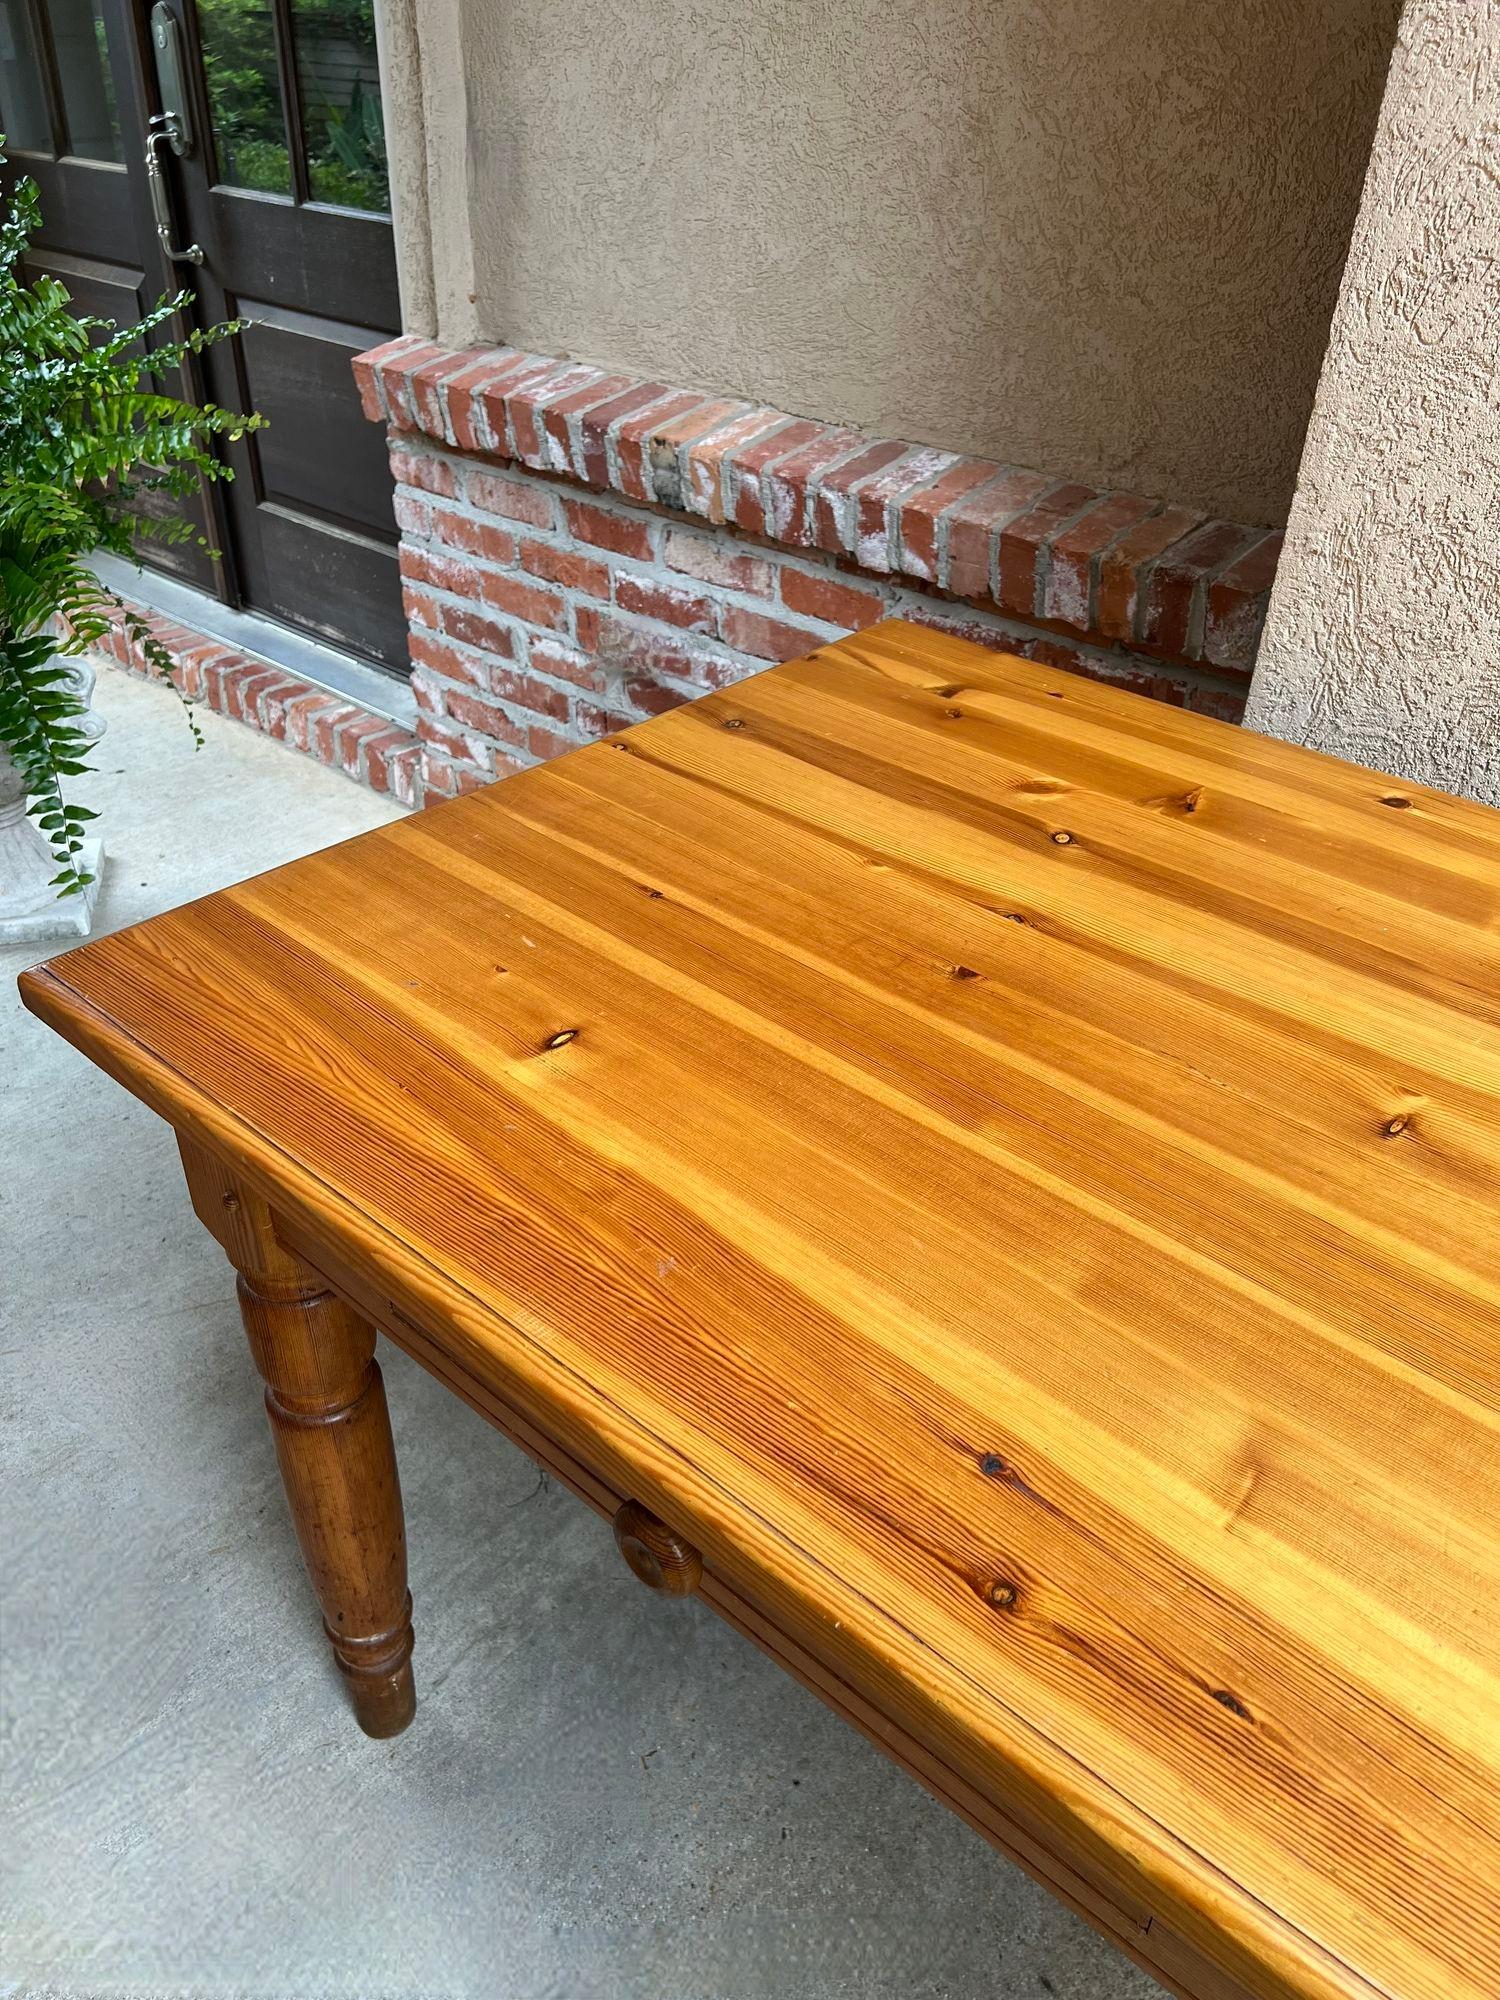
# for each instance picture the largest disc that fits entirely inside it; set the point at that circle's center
(399, 43)
(1099, 239)
(1383, 638)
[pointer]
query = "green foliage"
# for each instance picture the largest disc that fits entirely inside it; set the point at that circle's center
(90, 449)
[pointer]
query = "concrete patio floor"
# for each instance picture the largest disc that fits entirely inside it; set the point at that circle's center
(602, 1795)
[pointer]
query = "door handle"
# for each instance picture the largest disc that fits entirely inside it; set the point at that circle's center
(161, 134)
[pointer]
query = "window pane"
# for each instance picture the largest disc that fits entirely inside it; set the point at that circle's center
(88, 88)
(23, 106)
(340, 85)
(244, 95)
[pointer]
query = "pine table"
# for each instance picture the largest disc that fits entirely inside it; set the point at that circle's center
(990, 1181)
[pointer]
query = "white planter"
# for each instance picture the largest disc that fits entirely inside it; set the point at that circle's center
(31, 911)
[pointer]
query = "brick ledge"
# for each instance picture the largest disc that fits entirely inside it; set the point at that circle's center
(1123, 571)
(329, 728)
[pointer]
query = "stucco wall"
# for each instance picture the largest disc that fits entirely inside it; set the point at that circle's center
(1383, 638)
(1095, 238)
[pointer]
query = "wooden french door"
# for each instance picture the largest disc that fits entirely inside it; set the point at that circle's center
(271, 204)
(71, 108)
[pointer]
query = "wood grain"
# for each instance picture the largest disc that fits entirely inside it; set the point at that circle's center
(1009, 1171)
(325, 1402)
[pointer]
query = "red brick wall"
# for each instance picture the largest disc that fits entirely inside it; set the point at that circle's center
(581, 550)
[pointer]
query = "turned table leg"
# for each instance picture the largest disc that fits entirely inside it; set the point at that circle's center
(326, 1403)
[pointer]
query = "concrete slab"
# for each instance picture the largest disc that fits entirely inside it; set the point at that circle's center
(602, 1795)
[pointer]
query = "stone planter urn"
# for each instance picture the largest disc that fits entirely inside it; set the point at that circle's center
(31, 910)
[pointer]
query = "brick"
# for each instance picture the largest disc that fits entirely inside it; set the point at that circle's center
(299, 718)
(747, 491)
(350, 738)
(624, 650)
(545, 744)
(511, 496)
(476, 538)
(565, 663)
(486, 718)
(592, 722)
(1022, 542)
(417, 468)
(632, 441)
(527, 405)
(442, 572)
(380, 750)
(767, 638)
(967, 532)
(831, 516)
(443, 736)
(535, 603)
(413, 516)
(710, 561)
(1226, 704)
(324, 741)
(403, 768)
(1068, 582)
(427, 391)
(488, 400)
(395, 364)
(527, 692)
(1116, 596)
(426, 689)
(914, 534)
(1171, 614)
(1113, 670)
(669, 442)
(966, 625)
(596, 423)
(877, 503)
(438, 782)
(420, 606)
(558, 419)
(566, 567)
(791, 483)
(272, 704)
(242, 691)
(442, 658)
(704, 459)
(367, 377)
(524, 401)
(605, 530)
(1236, 606)
(666, 602)
(462, 395)
(850, 605)
(472, 628)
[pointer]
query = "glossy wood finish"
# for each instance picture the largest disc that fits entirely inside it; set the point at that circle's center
(327, 1410)
(1009, 1172)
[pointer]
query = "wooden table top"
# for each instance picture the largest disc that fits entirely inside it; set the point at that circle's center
(1011, 1170)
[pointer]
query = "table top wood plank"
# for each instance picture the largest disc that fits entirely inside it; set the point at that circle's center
(996, 1253)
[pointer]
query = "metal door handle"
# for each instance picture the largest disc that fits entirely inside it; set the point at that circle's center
(160, 134)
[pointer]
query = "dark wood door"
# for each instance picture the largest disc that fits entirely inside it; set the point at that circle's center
(285, 190)
(72, 107)
(281, 195)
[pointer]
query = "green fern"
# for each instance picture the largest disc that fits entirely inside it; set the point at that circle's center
(86, 439)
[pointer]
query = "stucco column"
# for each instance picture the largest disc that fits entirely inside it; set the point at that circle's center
(425, 87)
(1382, 642)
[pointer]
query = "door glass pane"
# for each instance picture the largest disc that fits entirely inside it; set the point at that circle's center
(340, 85)
(88, 88)
(23, 105)
(244, 94)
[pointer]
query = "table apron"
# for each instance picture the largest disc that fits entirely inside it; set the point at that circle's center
(1163, 1952)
